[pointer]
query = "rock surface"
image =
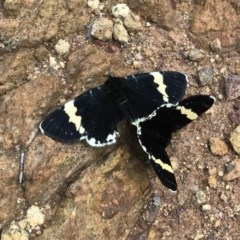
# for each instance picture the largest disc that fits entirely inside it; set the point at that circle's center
(119, 32)
(102, 29)
(235, 139)
(79, 192)
(232, 86)
(205, 75)
(233, 171)
(218, 146)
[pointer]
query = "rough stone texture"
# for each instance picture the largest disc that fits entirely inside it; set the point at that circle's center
(216, 45)
(234, 115)
(205, 75)
(160, 12)
(62, 47)
(102, 29)
(218, 146)
(233, 170)
(93, 4)
(232, 86)
(196, 55)
(212, 18)
(235, 139)
(120, 10)
(15, 70)
(132, 22)
(111, 192)
(119, 32)
(103, 197)
(212, 181)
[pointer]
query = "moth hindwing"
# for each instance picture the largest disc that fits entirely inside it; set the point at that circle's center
(155, 134)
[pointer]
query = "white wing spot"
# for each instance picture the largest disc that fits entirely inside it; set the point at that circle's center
(111, 138)
(158, 79)
(71, 111)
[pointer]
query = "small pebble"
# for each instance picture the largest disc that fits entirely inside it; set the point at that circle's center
(34, 216)
(212, 181)
(233, 170)
(2, 45)
(201, 197)
(148, 24)
(224, 197)
(93, 4)
(132, 22)
(102, 29)
(235, 139)
(138, 57)
(199, 236)
(217, 146)
(215, 45)
(62, 47)
(119, 32)
(237, 208)
(206, 207)
(53, 63)
(120, 10)
(237, 68)
(232, 87)
(217, 223)
(205, 75)
(196, 55)
(212, 171)
(234, 117)
(174, 162)
(157, 201)
(220, 173)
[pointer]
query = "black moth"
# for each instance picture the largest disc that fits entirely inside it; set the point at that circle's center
(148, 100)
(94, 115)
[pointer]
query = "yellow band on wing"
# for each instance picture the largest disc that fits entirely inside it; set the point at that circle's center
(188, 112)
(71, 110)
(163, 165)
(158, 79)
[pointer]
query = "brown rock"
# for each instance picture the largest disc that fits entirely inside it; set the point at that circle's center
(102, 197)
(213, 17)
(94, 63)
(174, 162)
(21, 106)
(218, 146)
(232, 87)
(218, 20)
(233, 170)
(215, 45)
(205, 75)
(132, 22)
(235, 139)
(234, 115)
(212, 171)
(160, 12)
(102, 29)
(119, 32)
(120, 10)
(196, 55)
(15, 70)
(212, 181)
